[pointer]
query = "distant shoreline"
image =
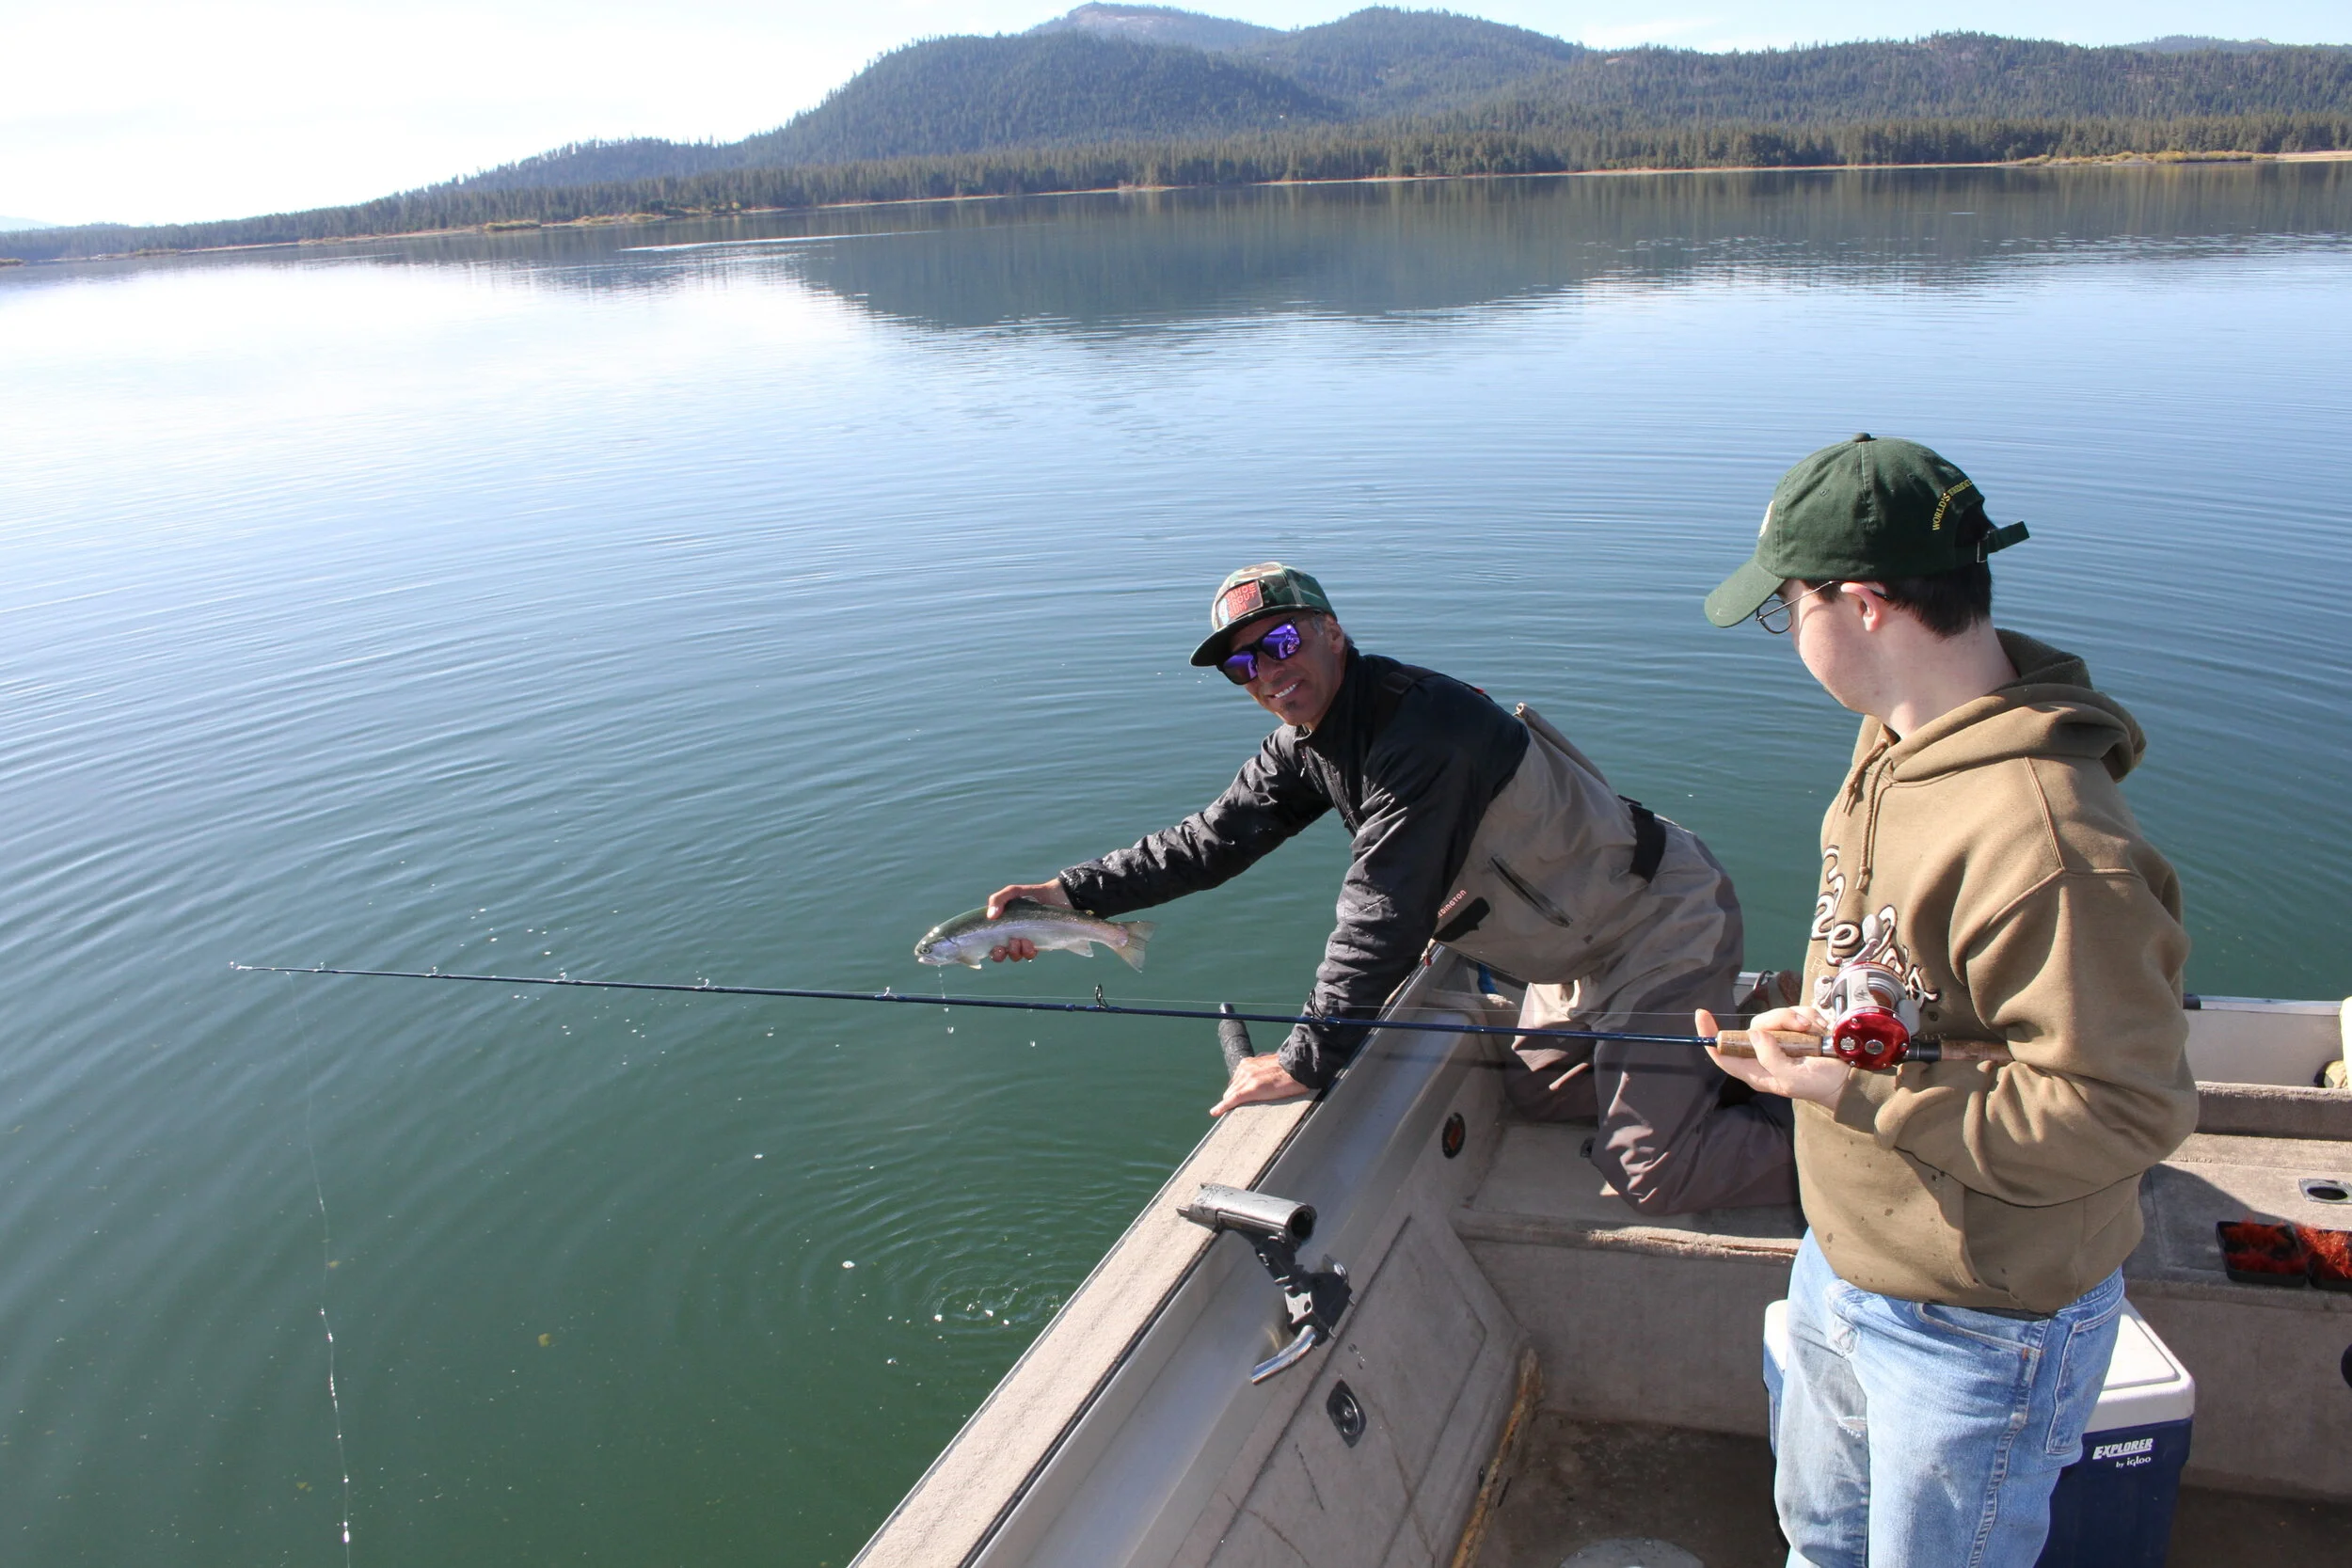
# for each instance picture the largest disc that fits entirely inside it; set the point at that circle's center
(609, 220)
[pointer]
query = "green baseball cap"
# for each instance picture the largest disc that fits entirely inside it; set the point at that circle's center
(1254, 593)
(1862, 511)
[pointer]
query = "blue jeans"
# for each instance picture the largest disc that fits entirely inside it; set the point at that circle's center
(1914, 1435)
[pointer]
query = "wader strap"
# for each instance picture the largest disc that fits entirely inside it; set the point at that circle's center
(1389, 695)
(1649, 839)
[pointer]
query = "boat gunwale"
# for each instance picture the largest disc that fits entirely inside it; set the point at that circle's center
(927, 1529)
(1241, 1127)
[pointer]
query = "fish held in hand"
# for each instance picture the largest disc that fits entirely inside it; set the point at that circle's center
(968, 937)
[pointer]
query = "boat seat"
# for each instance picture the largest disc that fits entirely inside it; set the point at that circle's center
(1541, 1189)
(2217, 1177)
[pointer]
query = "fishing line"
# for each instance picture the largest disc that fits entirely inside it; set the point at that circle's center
(326, 1255)
(1100, 1004)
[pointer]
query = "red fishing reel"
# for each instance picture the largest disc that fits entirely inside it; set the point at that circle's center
(1866, 1004)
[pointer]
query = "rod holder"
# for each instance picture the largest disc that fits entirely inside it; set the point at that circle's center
(1312, 1300)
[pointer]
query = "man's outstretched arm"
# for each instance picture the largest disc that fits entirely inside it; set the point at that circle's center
(1271, 799)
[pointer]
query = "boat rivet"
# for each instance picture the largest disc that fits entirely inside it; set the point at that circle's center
(1456, 1132)
(1348, 1416)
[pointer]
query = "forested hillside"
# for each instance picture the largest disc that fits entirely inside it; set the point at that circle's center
(1092, 101)
(1950, 75)
(592, 163)
(1117, 73)
(1382, 62)
(1038, 90)
(1101, 75)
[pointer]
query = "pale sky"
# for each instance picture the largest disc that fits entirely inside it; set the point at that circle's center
(143, 111)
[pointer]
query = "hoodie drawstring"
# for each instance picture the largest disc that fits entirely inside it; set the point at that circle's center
(1881, 781)
(1868, 790)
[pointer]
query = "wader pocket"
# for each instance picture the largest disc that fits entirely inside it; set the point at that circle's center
(1534, 894)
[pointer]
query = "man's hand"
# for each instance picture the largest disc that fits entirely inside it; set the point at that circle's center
(1258, 1080)
(1774, 1070)
(1020, 948)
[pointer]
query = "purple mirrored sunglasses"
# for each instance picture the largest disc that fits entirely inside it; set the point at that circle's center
(1278, 643)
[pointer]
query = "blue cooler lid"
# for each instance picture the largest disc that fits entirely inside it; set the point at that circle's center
(2146, 1385)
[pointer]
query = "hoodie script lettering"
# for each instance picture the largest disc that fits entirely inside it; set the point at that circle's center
(1873, 937)
(1826, 907)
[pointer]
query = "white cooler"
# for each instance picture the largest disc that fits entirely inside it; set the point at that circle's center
(2113, 1506)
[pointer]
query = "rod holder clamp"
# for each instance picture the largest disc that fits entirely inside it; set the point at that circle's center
(1276, 1227)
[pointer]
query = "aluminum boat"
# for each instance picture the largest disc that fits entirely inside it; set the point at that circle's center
(1498, 1297)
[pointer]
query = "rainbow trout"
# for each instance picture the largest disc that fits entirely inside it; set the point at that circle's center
(966, 938)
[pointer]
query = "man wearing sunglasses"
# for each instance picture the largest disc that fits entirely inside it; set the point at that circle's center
(1486, 831)
(1954, 1304)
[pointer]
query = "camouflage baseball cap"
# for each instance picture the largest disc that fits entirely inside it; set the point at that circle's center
(1253, 594)
(1861, 511)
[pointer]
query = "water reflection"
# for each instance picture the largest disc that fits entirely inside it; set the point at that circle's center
(1371, 251)
(1104, 260)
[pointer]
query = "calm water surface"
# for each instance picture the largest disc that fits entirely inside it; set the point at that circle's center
(734, 601)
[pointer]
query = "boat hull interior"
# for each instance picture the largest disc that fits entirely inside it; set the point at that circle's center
(1504, 1302)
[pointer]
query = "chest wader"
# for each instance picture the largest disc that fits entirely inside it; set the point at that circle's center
(1559, 870)
(1616, 918)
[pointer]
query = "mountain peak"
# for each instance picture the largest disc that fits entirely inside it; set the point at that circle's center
(2185, 43)
(1158, 24)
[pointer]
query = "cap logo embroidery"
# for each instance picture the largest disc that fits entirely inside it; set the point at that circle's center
(1943, 501)
(1240, 601)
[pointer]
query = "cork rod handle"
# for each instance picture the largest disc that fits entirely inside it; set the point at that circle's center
(1741, 1042)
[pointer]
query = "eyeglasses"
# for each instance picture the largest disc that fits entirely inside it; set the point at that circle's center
(1240, 665)
(1778, 612)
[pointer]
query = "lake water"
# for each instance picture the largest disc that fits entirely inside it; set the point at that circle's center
(734, 601)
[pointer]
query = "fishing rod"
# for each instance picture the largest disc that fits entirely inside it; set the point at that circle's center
(1732, 1042)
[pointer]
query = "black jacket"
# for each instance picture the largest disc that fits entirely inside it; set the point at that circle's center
(1411, 759)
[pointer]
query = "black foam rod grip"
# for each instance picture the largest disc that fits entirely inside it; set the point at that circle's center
(1233, 1037)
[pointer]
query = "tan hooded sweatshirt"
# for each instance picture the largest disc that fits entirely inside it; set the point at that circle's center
(1990, 858)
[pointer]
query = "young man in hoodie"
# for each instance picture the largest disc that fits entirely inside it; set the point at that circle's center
(1953, 1306)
